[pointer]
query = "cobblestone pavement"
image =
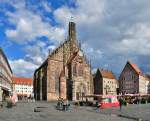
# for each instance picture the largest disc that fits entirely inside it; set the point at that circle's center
(25, 112)
(141, 111)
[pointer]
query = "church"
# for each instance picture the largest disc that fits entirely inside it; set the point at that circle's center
(66, 73)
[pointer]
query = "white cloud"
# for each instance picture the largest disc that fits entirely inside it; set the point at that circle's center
(112, 31)
(136, 46)
(136, 41)
(21, 67)
(57, 34)
(51, 47)
(36, 53)
(38, 60)
(90, 11)
(94, 55)
(35, 56)
(88, 15)
(139, 30)
(86, 12)
(30, 25)
(63, 15)
(119, 30)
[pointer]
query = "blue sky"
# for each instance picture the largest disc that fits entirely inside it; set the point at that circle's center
(110, 32)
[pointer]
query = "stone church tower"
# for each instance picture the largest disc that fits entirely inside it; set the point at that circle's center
(65, 73)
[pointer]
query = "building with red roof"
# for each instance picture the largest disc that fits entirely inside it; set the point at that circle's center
(23, 86)
(133, 81)
(105, 82)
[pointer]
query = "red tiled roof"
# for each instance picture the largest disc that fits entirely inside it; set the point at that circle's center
(22, 81)
(135, 67)
(107, 74)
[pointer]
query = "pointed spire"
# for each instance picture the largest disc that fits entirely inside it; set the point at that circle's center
(72, 31)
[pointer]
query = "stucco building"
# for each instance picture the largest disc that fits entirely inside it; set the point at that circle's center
(23, 86)
(132, 80)
(105, 82)
(5, 76)
(66, 73)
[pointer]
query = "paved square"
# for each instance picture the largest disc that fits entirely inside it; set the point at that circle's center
(25, 112)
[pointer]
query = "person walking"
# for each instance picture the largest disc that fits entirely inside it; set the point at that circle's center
(67, 105)
(120, 103)
(64, 105)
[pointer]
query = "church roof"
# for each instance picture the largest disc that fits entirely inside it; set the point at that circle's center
(135, 67)
(107, 74)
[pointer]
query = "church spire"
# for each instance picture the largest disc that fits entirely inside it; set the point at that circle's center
(72, 31)
(72, 37)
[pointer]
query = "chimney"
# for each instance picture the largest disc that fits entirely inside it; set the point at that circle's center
(72, 31)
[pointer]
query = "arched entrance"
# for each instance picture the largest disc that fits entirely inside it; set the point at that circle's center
(80, 91)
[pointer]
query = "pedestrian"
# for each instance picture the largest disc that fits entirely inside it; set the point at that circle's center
(137, 100)
(120, 103)
(65, 105)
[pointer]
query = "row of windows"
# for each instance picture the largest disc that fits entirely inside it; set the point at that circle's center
(128, 87)
(109, 82)
(24, 88)
(24, 91)
(3, 62)
(3, 72)
(127, 82)
(110, 87)
(129, 78)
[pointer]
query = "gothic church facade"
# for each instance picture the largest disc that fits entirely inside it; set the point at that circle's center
(66, 73)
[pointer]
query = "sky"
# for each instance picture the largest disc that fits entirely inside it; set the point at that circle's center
(110, 32)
